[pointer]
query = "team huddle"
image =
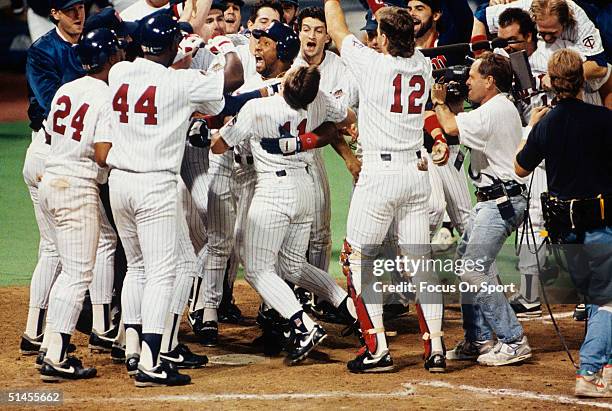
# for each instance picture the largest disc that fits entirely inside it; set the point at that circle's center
(193, 146)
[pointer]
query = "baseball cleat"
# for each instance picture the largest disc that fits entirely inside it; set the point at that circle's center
(69, 369)
(326, 312)
(209, 334)
(365, 362)
(504, 353)
(100, 343)
(524, 309)
(580, 313)
(436, 363)
(230, 313)
(469, 350)
(304, 343)
(182, 357)
(589, 384)
(118, 353)
(195, 319)
(163, 375)
(40, 358)
(131, 364)
(29, 345)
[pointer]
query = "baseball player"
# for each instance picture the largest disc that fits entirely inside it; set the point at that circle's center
(69, 196)
(278, 220)
(52, 61)
(143, 8)
(229, 174)
(233, 17)
(151, 105)
(290, 11)
(392, 184)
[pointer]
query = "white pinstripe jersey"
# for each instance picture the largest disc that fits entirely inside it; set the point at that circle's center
(335, 77)
(252, 83)
(79, 116)
(262, 118)
(151, 108)
(139, 10)
(248, 61)
(584, 36)
(392, 96)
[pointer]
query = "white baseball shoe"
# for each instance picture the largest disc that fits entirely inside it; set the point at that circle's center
(504, 353)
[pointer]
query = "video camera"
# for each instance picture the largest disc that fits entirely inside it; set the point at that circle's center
(523, 84)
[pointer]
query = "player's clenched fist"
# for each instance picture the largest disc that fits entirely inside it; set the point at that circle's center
(440, 152)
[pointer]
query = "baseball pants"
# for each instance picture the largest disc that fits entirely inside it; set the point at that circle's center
(145, 209)
(320, 245)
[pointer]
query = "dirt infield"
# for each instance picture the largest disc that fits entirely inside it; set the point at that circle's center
(322, 381)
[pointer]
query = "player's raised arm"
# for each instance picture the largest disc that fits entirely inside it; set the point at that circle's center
(195, 12)
(233, 71)
(336, 23)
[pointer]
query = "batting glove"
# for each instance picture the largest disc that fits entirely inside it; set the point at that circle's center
(198, 134)
(287, 144)
(221, 44)
(440, 151)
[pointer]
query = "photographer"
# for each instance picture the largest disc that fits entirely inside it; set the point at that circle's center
(575, 132)
(492, 132)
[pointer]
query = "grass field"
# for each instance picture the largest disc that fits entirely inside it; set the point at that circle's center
(19, 233)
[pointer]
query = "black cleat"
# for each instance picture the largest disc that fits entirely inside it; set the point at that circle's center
(365, 362)
(100, 343)
(580, 313)
(326, 312)
(230, 313)
(182, 357)
(436, 363)
(196, 322)
(131, 364)
(69, 369)
(524, 309)
(305, 298)
(303, 343)
(163, 375)
(40, 358)
(209, 334)
(118, 353)
(30, 346)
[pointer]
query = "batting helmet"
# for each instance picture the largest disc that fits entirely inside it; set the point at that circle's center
(287, 41)
(96, 47)
(158, 33)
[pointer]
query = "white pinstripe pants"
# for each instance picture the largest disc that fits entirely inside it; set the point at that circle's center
(277, 231)
(48, 265)
(221, 218)
(456, 191)
(320, 245)
(528, 264)
(145, 209)
(72, 205)
(388, 190)
(194, 172)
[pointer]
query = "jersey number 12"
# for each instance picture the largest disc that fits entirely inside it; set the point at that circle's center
(417, 83)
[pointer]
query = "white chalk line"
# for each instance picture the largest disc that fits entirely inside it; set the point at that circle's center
(507, 392)
(545, 317)
(408, 390)
(405, 392)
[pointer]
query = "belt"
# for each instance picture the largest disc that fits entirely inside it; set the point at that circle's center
(238, 159)
(389, 156)
(495, 191)
(283, 173)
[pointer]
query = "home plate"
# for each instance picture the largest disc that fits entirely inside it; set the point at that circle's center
(236, 359)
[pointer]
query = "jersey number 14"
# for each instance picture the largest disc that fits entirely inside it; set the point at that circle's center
(144, 105)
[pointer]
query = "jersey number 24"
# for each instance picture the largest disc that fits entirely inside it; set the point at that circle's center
(144, 105)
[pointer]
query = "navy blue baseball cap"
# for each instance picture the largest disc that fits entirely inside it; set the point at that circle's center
(287, 41)
(296, 3)
(371, 23)
(64, 4)
(109, 18)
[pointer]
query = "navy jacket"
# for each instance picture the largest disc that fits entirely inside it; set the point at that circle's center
(51, 63)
